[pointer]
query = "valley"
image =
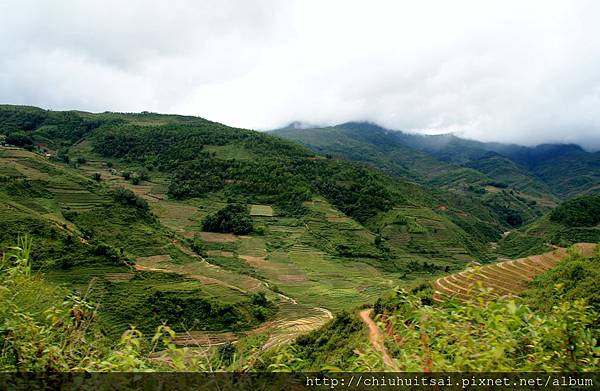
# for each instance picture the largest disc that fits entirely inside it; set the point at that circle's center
(244, 242)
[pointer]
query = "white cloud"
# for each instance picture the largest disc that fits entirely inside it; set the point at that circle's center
(526, 72)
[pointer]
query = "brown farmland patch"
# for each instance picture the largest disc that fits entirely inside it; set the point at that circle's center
(119, 277)
(203, 338)
(254, 261)
(217, 237)
(292, 278)
(154, 259)
(502, 278)
(219, 253)
(337, 219)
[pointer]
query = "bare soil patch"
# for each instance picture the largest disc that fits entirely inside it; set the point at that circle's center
(154, 259)
(219, 253)
(254, 261)
(292, 278)
(217, 237)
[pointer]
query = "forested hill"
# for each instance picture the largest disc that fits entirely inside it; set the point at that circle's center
(228, 234)
(215, 229)
(204, 157)
(496, 181)
(199, 158)
(558, 170)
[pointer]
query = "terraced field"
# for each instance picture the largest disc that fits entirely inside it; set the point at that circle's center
(309, 266)
(292, 321)
(76, 199)
(502, 278)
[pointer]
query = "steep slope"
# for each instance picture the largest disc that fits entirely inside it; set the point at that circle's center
(367, 143)
(545, 171)
(565, 170)
(327, 233)
(502, 278)
(485, 178)
(575, 220)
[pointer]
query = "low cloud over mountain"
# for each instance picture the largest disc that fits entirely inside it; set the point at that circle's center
(524, 72)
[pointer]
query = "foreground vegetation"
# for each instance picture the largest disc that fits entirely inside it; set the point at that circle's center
(47, 328)
(555, 327)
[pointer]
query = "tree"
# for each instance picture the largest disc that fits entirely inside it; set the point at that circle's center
(234, 218)
(19, 139)
(127, 197)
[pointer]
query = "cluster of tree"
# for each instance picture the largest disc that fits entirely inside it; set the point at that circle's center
(572, 279)
(19, 139)
(191, 311)
(581, 211)
(280, 173)
(128, 197)
(23, 125)
(509, 215)
(234, 218)
(25, 188)
(500, 185)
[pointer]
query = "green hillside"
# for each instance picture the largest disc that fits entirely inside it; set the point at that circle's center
(575, 220)
(506, 188)
(229, 235)
(547, 171)
(118, 207)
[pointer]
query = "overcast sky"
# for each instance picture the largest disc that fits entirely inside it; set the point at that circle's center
(519, 71)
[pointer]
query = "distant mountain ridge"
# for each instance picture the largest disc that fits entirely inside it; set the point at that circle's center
(561, 170)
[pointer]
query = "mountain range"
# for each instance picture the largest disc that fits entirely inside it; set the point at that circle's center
(231, 235)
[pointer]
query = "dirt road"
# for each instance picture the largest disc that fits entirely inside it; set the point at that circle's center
(377, 339)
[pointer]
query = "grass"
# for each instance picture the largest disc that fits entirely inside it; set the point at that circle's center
(232, 151)
(535, 237)
(261, 210)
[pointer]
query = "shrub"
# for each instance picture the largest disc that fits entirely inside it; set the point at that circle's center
(69, 215)
(46, 328)
(19, 139)
(127, 197)
(581, 211)
(234, 218)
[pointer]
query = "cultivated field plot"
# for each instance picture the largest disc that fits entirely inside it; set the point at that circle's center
(202, 271)
(292, 321)
(261, 210)
(422, 231)
(175, 215)
(77, 199)
(503, 278)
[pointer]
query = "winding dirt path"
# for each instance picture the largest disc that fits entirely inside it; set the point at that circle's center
(377, 339)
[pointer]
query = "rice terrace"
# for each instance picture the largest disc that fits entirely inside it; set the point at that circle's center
(274, 194)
